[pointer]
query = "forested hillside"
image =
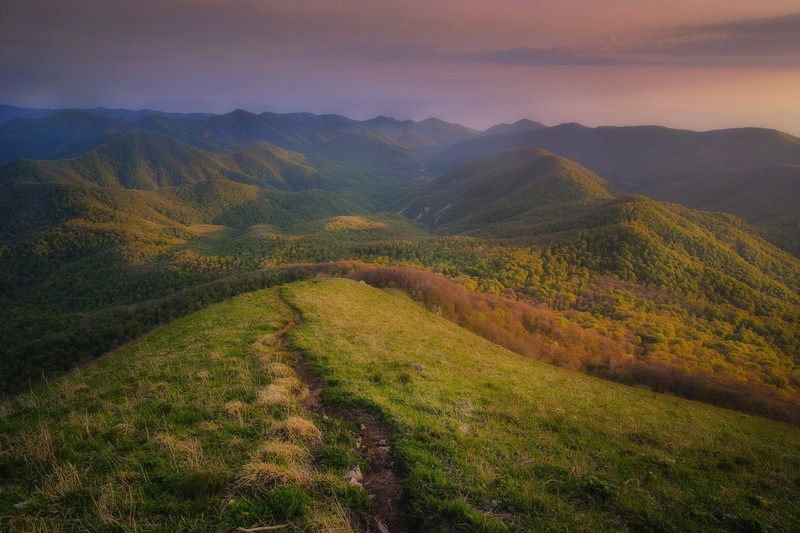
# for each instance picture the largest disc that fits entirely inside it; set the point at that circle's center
(157, 216)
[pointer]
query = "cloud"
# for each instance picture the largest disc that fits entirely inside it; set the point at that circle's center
(773, 42)
(385, 52)
(747, 42)
(536, 56)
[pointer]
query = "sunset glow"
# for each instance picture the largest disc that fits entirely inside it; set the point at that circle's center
(697, 65)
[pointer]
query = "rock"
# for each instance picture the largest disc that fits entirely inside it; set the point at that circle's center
(21, 505)
(363, 427)
(419, 367)
(356, 484)
(358, 443)
(354, 474)
(381, 526)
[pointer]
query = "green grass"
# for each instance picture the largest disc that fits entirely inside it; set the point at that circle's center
(196, 427)
(199, 427)
(491, 441)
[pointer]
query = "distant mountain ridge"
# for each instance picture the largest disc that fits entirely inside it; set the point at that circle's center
(524, 185)
(9, 112)
(65, 133)
(387, 159)
(635, 158)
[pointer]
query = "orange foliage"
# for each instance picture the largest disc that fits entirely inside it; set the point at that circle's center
(552, 336)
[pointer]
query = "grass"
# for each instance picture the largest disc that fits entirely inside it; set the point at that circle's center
(491, 441)
(172, 433)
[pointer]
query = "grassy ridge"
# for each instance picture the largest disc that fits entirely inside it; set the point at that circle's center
(197, 427)
(492, 441)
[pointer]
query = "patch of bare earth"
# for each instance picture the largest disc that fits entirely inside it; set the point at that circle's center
(383, 480)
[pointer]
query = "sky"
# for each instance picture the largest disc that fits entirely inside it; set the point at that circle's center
(696, 64)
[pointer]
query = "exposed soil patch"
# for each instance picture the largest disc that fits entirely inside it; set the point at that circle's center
(383, 479)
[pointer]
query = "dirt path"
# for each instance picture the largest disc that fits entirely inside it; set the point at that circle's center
(383, 479)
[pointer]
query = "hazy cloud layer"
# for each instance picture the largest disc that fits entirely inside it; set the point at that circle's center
(755, 42)
(480, 62)
(746, 42)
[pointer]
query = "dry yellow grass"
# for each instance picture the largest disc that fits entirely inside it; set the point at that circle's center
(188, 450)
(265, 341)
(235, 410)
(291, 384)
(114, 504)
(337, 521)
(64, 479)
(34, 524)
(275, 395)
(280, 370)
(261, 475)
(125, 428)
(36, 446)
(302, 429)
(77, 389)
(282, 452)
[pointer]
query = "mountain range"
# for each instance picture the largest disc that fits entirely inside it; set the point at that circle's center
(648, 256)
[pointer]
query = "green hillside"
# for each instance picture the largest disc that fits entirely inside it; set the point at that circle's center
(493, 442)
(768, 197)
(205, 425)
(61, 134)
(143, 160)
(758, 195)
(637, 157)
(269, 165)
(530, 185)
(199, 427)
(371, 163)
(137, 160)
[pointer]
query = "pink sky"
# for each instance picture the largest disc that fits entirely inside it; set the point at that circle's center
(694, 64)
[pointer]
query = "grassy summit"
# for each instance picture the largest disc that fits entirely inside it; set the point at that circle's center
(492, 441)
(200, 426)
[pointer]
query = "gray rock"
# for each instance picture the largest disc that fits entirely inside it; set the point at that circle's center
(354, 474)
